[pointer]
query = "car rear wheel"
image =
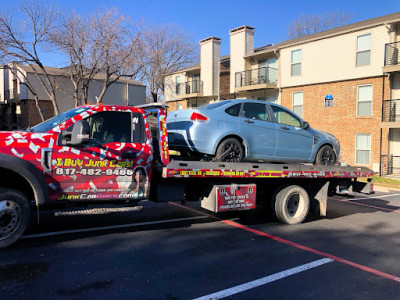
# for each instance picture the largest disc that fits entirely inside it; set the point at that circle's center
(230, 150)
(325, 156)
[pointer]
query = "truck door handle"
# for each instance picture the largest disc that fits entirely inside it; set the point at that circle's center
(129, 155)
(249, 121)
(285, 128)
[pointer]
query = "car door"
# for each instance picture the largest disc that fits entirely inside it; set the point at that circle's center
(256, 128)
(294, 143)
(107, 167)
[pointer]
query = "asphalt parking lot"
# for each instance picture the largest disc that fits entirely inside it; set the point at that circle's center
(167, 251)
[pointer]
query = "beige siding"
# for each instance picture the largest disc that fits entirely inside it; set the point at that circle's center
(334, 59)
(237, 49)
(206, 72)
(215, 67)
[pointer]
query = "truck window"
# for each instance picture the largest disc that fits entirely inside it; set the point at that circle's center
(109, 126)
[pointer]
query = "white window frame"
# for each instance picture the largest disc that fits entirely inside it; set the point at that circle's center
(297, 105)
(358, 100)
(295, 63)
(357, 149)
(364, 50)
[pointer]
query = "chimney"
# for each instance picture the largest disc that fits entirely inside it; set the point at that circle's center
(210, 56)
(241, 44)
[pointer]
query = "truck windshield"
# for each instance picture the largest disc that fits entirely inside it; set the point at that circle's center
(57, 120)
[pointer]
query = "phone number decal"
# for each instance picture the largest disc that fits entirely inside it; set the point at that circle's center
(94, 172)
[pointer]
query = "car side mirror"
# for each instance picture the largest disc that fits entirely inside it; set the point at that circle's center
(80, 133)
(305, 126)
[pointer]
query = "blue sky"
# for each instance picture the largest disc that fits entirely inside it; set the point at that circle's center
(204, 18)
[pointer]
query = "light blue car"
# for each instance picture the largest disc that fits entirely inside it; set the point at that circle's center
(244, 129)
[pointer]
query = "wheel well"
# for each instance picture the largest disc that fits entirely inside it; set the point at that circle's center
(233, 136)
(13, 180)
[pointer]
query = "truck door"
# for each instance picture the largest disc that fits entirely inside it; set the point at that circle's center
(115, 164)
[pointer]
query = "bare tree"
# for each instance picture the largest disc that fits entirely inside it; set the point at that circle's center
(102, 47)
(165, 49)
(310, 24)
(21, 41)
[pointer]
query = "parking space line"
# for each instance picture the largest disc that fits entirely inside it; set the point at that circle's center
(377, 197)
(262, 281)
(367, 205)
(30, 236)
(299, 246)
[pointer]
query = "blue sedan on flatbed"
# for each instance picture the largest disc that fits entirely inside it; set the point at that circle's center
(244, 129)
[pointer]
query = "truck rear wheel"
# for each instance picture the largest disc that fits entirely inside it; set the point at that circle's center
(14, 216)
(292, 205)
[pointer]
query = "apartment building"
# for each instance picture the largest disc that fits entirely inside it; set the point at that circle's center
(345, 81)
(17, 105)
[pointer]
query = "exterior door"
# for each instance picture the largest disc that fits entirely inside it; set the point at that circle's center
(271, 62)
(293, 142)
(107, 167)
(255, 125)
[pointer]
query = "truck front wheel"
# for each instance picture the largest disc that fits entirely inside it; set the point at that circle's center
(14, 216)
(292, 204)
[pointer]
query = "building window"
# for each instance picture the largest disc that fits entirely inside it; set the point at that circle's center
(297, 99)
(364, 100)
(296, 63)
(180, 106)
(363, 50)
(363, 148)
(177, 86)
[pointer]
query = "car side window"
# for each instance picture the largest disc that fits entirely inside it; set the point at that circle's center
(233, 110)
(284, 117)
(109, 126)
(255, 111)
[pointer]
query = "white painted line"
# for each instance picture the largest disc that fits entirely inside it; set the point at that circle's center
(378, 197)
(256, 283)
(30, 236)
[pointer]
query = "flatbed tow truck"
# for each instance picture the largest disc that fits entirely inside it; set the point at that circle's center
(102, 154)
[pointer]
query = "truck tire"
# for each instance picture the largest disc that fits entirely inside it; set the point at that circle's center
(325, 156)
(292, 205)
(14, 216)
(229, 150)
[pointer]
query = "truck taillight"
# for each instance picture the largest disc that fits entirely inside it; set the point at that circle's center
(198, 117)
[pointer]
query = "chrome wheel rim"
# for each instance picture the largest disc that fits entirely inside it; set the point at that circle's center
(10, 218)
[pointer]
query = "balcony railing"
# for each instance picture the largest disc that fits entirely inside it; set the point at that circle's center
(392, 54)
(190, 87)
(391, 111)
(11, 94)
(263, 75)
(390, 165)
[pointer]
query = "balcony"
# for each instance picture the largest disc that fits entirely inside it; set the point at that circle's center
(255, 79)
(392, 61)
(390, 165)
(190, 89)
(391, 114)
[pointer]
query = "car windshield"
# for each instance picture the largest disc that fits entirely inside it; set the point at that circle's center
(57, 120)
(215, 105)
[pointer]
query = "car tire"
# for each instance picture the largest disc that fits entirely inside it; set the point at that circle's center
(14, 216)
(229, 150)
(291, 205)
(325, 156)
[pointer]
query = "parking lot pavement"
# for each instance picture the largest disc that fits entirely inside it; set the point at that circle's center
(167, 251)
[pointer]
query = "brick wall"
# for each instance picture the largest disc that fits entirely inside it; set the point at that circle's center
(173, 105)
(30, 115)
(341, 119)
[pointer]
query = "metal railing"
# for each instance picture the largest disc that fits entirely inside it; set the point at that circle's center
(391, 110)
(190, 87)
(390, 165)
(392, 54)
(255, 76)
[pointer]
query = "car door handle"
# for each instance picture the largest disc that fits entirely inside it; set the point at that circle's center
(285, 128)
(249, 121)
(129, 155)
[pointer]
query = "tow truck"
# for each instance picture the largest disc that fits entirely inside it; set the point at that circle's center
(102, 154)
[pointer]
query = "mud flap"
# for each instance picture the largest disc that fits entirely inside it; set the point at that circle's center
(319, 198)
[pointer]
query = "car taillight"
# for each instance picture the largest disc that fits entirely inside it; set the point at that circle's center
(198, 117)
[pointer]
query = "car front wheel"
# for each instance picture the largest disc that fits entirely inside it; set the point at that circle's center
(229, 150)
(325, 156)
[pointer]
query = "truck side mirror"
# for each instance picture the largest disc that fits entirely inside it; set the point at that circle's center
(80, 133)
